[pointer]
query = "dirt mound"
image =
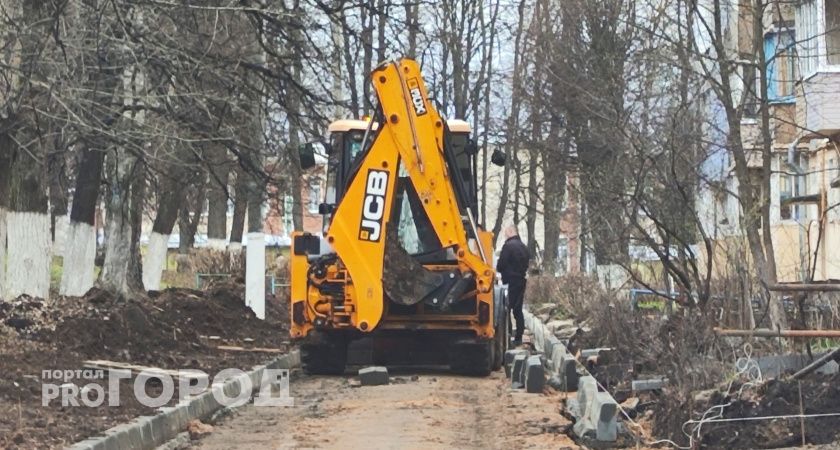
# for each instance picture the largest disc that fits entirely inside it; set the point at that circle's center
(24, 314)
(774, 398)
(172, 329)
(820, 395)
(146, 329)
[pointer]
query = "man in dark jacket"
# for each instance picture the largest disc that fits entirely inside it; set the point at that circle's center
(513, 266)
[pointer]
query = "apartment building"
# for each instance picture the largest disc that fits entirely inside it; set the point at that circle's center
(802, 49)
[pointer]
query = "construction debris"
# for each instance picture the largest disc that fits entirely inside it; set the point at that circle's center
(198, 429)
(652, 384)
(373, 376)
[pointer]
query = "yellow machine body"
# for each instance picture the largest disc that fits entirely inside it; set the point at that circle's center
(347, 291)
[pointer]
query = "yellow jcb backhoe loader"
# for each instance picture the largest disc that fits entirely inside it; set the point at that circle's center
(401, 258)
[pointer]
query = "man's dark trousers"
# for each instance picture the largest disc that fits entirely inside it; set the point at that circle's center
(516, 295)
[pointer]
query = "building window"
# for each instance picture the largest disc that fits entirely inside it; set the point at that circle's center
(832, 31)
(314, 195)
(562, 256)
(833, 193)
(748, 76)
(808, 48)
(785, 192)
(288, 211)
(781, 69)
(793, 182)
(819, 23)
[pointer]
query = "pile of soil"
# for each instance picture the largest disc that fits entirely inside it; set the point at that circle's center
(820, 395)
(171, 329)
(170, 324)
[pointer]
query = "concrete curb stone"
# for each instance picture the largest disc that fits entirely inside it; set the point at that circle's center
(517, 370)
(373, 376)
(509, 357)
(148, 432)
(534, 375)
(595, 412)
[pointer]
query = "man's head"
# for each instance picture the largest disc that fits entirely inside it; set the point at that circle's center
(510, 231)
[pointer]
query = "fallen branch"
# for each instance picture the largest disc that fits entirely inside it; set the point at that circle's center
(821, 361)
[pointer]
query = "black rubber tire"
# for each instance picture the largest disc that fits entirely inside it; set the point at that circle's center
(473, 359)
(323, 354)
(500, 342)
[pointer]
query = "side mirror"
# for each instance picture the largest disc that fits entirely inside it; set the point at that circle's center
(307, 153)
(325, 209)
(498, 158)
(471, 148)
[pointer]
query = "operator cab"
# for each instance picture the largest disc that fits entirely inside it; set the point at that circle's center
(348, 142)
(350, 138)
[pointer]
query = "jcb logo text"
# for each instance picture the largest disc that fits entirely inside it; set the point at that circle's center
(373, 208)
(416, 96)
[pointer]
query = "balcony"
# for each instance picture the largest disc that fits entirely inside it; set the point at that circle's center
(818, 104)
(818, 47)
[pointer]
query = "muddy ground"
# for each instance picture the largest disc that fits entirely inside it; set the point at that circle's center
(172, 329)
(418, 410)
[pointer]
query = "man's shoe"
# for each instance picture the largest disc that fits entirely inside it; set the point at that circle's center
(516, 342)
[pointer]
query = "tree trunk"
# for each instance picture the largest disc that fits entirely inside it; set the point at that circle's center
(295, 173)
(337, 36)
(189, 218)
(533, 198)
(27, 228)
(77, 276)
(2, 252)
(411, 12)
(5, 175)
(170, 198)
(367, 54)
(240, 207)
(217, 209)
(778, 316)
(350, 67)
(555, 192)
(512, 126)
(121, 271)
(255, 267)
(517, 187)
(57, 174)
(28, 238)
(382, 14)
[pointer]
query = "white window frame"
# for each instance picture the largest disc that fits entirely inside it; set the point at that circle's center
(563, 258)
(811, 45)
(314, 195)
(832, 172)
